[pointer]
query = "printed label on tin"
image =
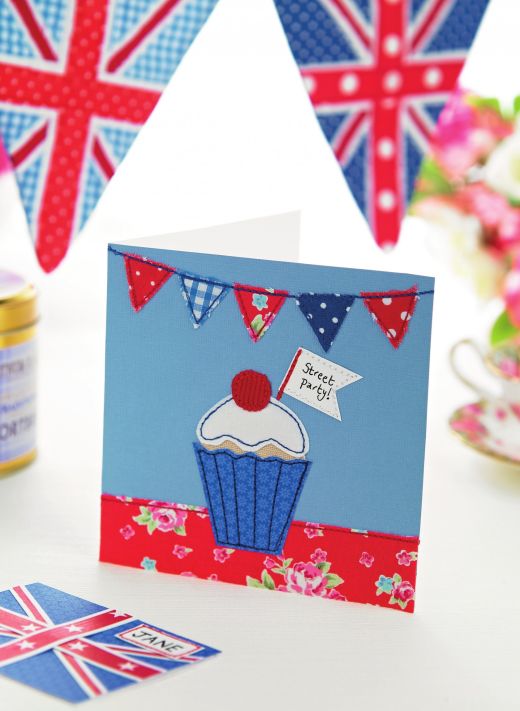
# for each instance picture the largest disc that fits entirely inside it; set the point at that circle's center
(17, 401)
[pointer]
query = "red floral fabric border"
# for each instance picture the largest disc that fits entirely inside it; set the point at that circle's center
(318, 560)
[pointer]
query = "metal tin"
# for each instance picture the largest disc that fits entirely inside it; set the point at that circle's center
(18, 317)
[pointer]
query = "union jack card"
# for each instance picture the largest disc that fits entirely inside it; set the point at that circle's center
(76, 649)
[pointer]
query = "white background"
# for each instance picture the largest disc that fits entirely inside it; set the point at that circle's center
(232, 138)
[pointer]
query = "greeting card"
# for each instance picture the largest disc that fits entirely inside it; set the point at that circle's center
(264, 420)
(77, 650)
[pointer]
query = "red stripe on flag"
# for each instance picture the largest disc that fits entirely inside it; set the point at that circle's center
(16, 622)
(420, 123)
(29, 604)
(81, 674)
(102, 158)
(34, 29)
(425, 27)
(29, 146)
(101, 657)
(349, 132)
(345, 12)
(122, 54)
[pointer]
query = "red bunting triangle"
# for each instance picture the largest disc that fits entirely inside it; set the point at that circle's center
(392, 311)
(145, 278)
(258, 307)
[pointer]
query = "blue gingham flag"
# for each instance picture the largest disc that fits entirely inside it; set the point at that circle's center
(202, 297)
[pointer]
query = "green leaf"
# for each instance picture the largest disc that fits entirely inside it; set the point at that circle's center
(397, 578)
(333, 580)
(143, 517)
(402, 604)
(180, 530)
(280, 571)
(481, 103)
(324, 566)
(268, 581)
(287, 562)
(503, 330)
(151, 526)
(379, 591)
(516, 105)
(392, 600)
(431, 181)
(253, 582)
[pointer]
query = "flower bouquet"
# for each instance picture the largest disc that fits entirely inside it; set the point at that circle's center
(470, 185)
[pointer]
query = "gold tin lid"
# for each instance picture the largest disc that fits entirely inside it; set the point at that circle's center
(17, 302)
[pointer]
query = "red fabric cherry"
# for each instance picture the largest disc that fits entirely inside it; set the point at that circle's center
(251, 390)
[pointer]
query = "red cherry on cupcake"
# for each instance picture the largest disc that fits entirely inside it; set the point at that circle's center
(251, 390)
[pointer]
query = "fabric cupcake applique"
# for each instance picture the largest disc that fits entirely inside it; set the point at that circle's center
(251, 453)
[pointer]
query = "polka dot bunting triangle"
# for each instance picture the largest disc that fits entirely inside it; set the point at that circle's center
(325, 314)
(392, 311)
(145, 278)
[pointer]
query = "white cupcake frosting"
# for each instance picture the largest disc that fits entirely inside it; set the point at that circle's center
(251, 431)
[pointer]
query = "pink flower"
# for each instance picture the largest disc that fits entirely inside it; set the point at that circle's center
(319, 556)
(168, 519)
(213, 576)
(181, 551)
(512, 294)
(222, 554)
(366, 559)
(404, 558)
(313, 529)
(127, 532)
(335, 595)
(469, 426)
(508, 234)
(189, 574)
(487, 205)
(403, 591)
(510, 367)
(305, 579)
(269, 563)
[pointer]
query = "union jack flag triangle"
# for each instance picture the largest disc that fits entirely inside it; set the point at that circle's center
(378, 73)
(77, 81)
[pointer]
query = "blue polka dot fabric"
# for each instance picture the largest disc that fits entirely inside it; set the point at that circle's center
(325, 314)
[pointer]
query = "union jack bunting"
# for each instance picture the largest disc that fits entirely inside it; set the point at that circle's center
(77, 81)
(75, 649)
(378, 73)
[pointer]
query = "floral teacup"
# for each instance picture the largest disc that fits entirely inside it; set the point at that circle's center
(502, 363)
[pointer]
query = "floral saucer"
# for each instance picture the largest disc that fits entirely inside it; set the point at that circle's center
(491, 427)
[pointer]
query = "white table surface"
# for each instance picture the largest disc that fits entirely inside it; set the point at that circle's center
(460, 649)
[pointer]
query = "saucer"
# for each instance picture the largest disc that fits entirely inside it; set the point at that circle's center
(491, 427)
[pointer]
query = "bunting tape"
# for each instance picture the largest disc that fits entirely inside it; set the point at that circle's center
(392, 310)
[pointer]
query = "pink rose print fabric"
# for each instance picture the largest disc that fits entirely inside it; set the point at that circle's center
(318, 560)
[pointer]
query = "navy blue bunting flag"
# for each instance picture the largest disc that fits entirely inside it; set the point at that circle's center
(325, 314)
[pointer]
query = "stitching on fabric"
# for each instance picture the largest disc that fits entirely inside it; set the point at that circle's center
(277, 292)
(153, 291)
(256, 336)
(111, 498)
(395, 342)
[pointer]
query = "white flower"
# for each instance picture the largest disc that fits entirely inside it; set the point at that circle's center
(502, 171)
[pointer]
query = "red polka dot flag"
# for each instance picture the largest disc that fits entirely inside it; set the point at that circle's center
(77, 81)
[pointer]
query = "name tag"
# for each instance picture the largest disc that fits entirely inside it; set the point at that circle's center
(160, 642)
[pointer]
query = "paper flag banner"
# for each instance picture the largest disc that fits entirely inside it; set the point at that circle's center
(378, 74)
(145, 278)
(77, 81)
(258, 307)
(202, 297)
(315, 381)
(77, 650)
(392, 311)
(325, 314)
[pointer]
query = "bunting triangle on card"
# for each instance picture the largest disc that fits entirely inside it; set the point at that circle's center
(145, 278)
(202, 297)
(392, 311)
(258, 307)
(325, 314)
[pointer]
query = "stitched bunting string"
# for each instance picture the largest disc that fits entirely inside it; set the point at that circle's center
(258, 307)
(145, 278)
(378, 75)
(202, 297)
(392, 312)
(325, 314)
(78, 79)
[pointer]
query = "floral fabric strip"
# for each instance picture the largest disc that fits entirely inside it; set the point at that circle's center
(258, 307)
(317, 560)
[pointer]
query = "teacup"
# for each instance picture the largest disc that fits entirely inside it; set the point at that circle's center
(502, 363)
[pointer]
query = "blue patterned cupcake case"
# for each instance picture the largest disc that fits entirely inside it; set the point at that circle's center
(251, 500)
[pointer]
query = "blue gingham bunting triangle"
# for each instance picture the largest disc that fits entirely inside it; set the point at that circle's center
(325, 314)
(202, 297)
